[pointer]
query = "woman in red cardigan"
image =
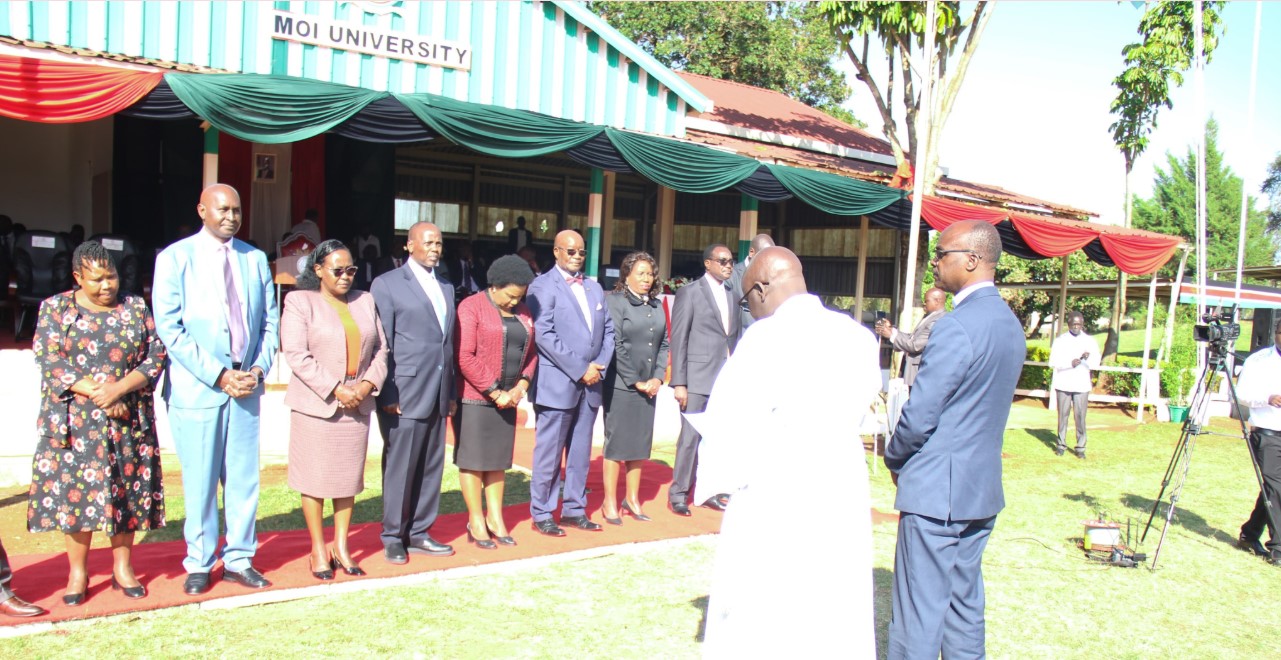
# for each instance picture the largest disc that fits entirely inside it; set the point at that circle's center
(495, 364)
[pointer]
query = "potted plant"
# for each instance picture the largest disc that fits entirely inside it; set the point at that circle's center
(1179, 402)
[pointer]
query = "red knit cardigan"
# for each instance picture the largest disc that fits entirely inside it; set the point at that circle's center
(480, 345)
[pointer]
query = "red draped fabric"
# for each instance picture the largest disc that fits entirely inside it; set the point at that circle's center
(940, 213)
(54, 92)
(307, 180)
(1139, 254)
(1052, 237)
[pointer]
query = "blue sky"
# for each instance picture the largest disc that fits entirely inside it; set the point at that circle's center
(1033, 116)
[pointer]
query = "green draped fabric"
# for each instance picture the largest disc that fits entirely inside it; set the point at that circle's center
(682, 166)
(497, 131)
(269, 109)
(833, 193)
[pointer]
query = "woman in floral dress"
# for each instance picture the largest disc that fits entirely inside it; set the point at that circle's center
(97, 464)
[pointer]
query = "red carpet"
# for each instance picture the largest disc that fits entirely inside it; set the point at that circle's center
(283, 556)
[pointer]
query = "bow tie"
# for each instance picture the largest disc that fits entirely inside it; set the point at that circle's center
(576, 278)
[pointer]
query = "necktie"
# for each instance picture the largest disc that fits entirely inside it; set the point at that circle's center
(235, 320)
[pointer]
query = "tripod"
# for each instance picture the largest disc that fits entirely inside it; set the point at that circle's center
(1181, 461)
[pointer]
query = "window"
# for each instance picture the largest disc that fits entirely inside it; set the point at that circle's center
(451, 218)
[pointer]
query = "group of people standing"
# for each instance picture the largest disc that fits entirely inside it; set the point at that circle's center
(402, 351)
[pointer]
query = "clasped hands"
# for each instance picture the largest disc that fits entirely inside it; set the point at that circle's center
(593, 375)
(508, 398)
(238, 384)
(884, 328)
(649, 387)
(352, 397)
(104, 395)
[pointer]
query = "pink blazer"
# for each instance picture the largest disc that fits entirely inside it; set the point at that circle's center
(315, 347)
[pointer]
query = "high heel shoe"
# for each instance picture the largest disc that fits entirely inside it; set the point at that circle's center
(612, 521)
(74, 600)
(483, 544)
(134, 593)
(324, 575)
(627, 508)
(353, 570)
(501, 539)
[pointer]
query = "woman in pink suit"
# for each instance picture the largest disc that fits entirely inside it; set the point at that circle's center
(333, 342)
(495, 364)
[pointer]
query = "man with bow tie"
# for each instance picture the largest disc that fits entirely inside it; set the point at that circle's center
(575, 340)
(416, 307)
(705, 329)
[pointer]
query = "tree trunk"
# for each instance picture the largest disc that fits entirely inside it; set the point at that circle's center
(1111, 346)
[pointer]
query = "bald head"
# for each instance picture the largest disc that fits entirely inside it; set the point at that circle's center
(425, 244)
(219, 210)
(759, 242)
(935, 299)
(967, 253)
(570, 251)
(773, 278)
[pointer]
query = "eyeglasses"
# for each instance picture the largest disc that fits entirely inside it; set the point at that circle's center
(939, 254)
(573, 252)
(759, 286)
(349, 271)
(724, 262)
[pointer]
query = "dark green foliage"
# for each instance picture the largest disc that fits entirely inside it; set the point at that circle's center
(1034, 377)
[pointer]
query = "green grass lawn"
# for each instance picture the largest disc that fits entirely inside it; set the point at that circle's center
(1044, 600)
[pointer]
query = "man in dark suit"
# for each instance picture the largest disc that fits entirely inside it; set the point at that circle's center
(416, 306)
(519, 237)
(574, 336)
(705, 329)
(759, 242)
(912, 344)
(945, 454)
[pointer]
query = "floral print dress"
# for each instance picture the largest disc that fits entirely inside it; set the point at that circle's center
(90, 471)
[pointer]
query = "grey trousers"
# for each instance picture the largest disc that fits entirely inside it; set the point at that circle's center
(1077, 402)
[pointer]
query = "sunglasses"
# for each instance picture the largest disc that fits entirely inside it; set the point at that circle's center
(573, 252)
(939, 254)
(723, 262)
(759, 286)
(349, 271)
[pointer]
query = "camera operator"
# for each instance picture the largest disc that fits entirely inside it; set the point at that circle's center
(1260, 389)
(1072, 355)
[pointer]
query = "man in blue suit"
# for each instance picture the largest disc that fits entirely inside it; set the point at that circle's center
(215, 310)
(945, 454)
(575, 340)
(416, 307)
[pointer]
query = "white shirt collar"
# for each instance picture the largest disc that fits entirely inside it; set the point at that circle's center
(965, 293)
(211, 241)
(711, 281)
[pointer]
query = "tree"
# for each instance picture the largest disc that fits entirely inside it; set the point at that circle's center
(1172, 208)
(782, 46)
(1036, 307)
(899, 29)
(1272, 188)
(1152, 65)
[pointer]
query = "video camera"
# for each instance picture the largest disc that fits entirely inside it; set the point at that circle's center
(1218, 328)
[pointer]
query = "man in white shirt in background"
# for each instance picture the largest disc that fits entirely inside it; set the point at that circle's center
(1260, 388)
(1072, 356)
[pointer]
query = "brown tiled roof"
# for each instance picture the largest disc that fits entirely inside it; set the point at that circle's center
(110, 57)
(759, 109)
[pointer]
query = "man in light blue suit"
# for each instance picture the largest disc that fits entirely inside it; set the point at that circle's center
(945, 454)
(215, 311)
(574, 336)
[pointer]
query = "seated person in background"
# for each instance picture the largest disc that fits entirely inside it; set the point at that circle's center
(308, 227)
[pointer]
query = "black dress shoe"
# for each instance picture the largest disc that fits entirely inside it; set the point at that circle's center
(548, 527)
(394, 553)
(679, 508)
(134, 593)
(612, 521)
(325, 574)
(714, 503)
(250, 577)
(353, 570)
(483, 544)
(74, 600)
(17, 607)
(1058, 451)
(581, 522)
(196, 584)
(1252, 546)
(428, 546)
(627, 508)
(1080, 453)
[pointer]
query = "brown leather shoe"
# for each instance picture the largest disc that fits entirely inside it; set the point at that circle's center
(20, 608)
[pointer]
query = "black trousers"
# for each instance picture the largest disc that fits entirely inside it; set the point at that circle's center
(1267, 449)
(6, 574)
(413, 461)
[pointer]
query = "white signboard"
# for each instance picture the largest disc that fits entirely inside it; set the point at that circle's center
(116, 244)
(43, 242)
(370, 40)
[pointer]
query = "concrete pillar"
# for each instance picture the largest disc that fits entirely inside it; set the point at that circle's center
(864, 232)
(595, 205)
(666, 210)
(607, 220)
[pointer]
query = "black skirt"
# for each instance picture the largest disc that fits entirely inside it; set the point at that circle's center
(485, 437)
(629, 425)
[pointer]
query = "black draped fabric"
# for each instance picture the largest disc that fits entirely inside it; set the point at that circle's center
(896, 216)
(1094, 250)
(600, 152)
(1013, 243)
(763, 186)
(161, 103)
(385, 121)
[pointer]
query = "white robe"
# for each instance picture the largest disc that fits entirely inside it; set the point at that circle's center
(793, 572)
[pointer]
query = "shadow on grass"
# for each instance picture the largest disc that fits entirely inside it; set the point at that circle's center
(1047, 437)
(700, 604)
(1182, 517)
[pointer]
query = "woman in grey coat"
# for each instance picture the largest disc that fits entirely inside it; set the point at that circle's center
(634, 378)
